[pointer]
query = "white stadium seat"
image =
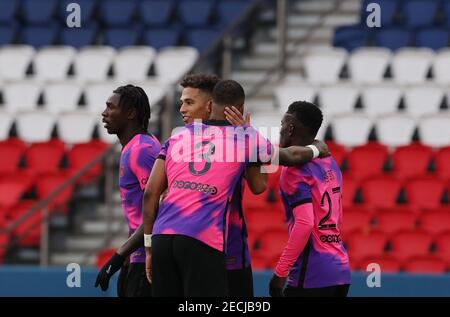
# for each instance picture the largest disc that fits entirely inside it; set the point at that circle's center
(133, 63)
(368, 64)
(172, 63)
(53, 63)
(35, 126)
(351, 129)
(287, 93)
(411, 65)
(6, 121)
(441, 66)
(435, 130)
(338, 98)
(423, 99)
(381, 99)
(76, 127)
(395, 129)
(14, 61)
(268, 124)
(93, 63)
(62, 96)
(21, 95)
(324, 65)
(97, 93)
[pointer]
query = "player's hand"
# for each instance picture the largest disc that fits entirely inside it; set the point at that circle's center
(322, 147)
(276, 286)
(235, 117)
(108, 270)
(148, 264)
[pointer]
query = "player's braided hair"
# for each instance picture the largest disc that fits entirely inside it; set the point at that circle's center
(134, 96)
(308, 114)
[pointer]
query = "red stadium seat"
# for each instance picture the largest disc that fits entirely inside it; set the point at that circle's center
(11, 153)
(409, 244)
(424, 192)
(387, 264)
(411, 160)
(392, 221)
(257, 222)
(46, 184)
(44, 157)
(272, 243)
(11, 190)
(251, 201)
(259, 262)
(367, 160)
(380, 192)
(81, 154)
(362, 245)
(29, 231)
(355, 219)
(427, 264)
(103, 256)
(443, 246)
(349, 189)
(337, 151)
(441, 161)
(435, 221)
(4, 239)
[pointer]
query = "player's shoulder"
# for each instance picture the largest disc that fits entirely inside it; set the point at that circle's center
(145, 142)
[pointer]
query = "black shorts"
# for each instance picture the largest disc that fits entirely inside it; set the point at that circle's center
(134, 283)
(185, 267)
(331, 291)
(240, 282)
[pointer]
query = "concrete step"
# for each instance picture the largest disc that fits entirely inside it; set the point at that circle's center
(340, 19)
(116, 211)
(315, 6)
(63, 259)
(350, 6)
(99, 227)
(258, 62)
(85, 243)
(259, 104)
(324, 33)
(248, 76)
(304, 20)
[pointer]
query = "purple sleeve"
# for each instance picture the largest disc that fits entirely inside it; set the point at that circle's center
(142, 159)
(163, 153)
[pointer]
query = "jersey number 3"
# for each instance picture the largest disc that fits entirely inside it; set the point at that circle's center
(204, 156)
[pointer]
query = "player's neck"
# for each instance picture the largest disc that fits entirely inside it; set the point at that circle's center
(128, 134)
(216, 115)
(302, 140)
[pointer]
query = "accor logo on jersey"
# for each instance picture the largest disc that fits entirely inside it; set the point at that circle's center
(330, 238)
(200, 187)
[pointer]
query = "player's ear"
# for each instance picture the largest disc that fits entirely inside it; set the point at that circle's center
(209, 106)
(291, 129)
(132, 114)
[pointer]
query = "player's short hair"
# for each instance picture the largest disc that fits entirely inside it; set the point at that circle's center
(203, 82)
(228, 93)
(308, 114)
(135, 97)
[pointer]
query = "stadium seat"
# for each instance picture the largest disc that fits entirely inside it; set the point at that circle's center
(14, 61)
(288, 92)
(202, 9)
(28, 232)
(7, 35)
(349, 190)
(337, 151)
(44, 157)
(78, 37)
(11, 190)
(38, 11)
(417, 13)
(435, 221)
(174, 62)
(403, 73)
(76, 127)
(380, 192)
(133, 63)
(425, 264)
(93, 63)
(62, 96)
(393, 38)
(388, 264)
(81, 154)
(441, 162)
(39, 36)
(264, 219)
(351, 129)
(355, 219)
(156, 12)
(272, 243)
(21, 95)
(259, 262)
(362, 245)
(228, 11)
(201, 39)
(388, 7)
(421, 100)
(392, 222)
(441, 66)
(443, 246)
(434, 130)
(350, 37)
(411, 160)
(6, 121)
(381, 99)
(424, 192)
(160, 38)
(369, 64)
(434, 38)
(103, 256)
(88, 7)
(35, 126)
(121, 37)
(407, 244)
(367, 160)
(155, 91)
(338, 98)
(47, 184)
(8, 9)
(395, 129)
(12, 152)
(324, 66)
(53, 63)
(96, 95)
(117, 12)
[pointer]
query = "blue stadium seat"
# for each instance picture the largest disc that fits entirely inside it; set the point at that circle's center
(117, 12)
(201, 39)
(39, 36)
(87, 9)
(156, 12)
(120, 37)
(79, 37)
(418, 13)
(392, 38)
(195, 12)
(388, 10)
(351, 37)
(434, 38)
(38, 11)
(159, 38)
(7, 34)
(7, 11)
(229, 10)
(446, 10)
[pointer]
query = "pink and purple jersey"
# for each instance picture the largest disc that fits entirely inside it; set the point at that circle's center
(202, 178)
(323, 261)
(237, 255)
(136, 162)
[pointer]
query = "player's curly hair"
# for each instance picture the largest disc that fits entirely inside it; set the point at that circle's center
(228, 93)
(308, 114)
(203, 82)
(134, 96)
